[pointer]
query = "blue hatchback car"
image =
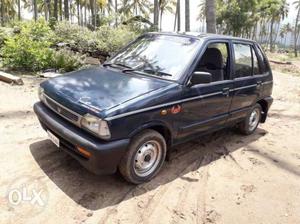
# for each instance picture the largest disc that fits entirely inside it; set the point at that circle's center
(160, 90)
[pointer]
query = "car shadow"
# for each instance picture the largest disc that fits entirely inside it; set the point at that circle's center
(95, 192)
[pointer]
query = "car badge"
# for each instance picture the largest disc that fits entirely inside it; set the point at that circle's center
(176, 109)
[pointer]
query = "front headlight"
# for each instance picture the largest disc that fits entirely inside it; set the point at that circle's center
(41, 94)
(96, 125)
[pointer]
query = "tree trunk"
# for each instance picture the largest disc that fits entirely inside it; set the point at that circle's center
(93, 21)
(116, 13)
(19, 10)
(2, 12)
(66, 10)
(55, 9)
(187, 15)
(60, 10)
(295, 33)
(49, 9)
(156, 14)
(210, 13)
(178, 16)
(175, 18)
(160, 21)
(85, 9)
(271, 35)
(78, 12)
(46, 10)
(35, 13)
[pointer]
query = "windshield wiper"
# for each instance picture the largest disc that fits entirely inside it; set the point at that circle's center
(116, 65)
(158, 73)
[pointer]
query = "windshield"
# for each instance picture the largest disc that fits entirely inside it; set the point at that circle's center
(165, 56)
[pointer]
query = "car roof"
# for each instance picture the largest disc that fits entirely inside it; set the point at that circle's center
(207, 36)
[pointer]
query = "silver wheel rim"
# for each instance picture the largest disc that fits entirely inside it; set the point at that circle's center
(147, 158)
(254, 119)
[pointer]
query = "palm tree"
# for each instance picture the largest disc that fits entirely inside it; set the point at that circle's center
(296, 28)
(55, 9)
(7, 10)
(35, 10)
(165, 5)
(284, 31)
(116, 13)
(177, 16)
(210, 14)
(278, 10)
(187, 15)
(66, 10)
(156, 13)
(19, 10)
(136, 7)
(201, 15)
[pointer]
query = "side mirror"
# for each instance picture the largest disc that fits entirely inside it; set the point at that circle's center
(200, 78)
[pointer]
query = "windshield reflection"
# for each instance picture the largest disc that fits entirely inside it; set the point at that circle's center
(162, 55)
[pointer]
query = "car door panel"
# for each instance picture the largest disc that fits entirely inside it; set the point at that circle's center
(246, 91)
(208, 110)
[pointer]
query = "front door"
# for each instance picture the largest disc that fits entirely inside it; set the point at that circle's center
(206, 106)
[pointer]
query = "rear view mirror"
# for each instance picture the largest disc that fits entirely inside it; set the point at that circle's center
(201, 78)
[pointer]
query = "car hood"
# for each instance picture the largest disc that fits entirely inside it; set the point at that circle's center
(100, 88)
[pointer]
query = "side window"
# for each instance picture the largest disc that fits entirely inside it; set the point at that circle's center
(263, 65)
(215, 60)
(243, 60)
(256, 67)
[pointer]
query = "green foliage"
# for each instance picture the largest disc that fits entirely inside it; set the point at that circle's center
(4, 35)
(28, 49)
(65, 60)
(31, 46)
(111, 40)
(105, 39)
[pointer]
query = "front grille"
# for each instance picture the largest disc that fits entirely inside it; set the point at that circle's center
(61, 110)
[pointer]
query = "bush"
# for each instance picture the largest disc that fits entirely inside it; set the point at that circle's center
(105, 39)
(78, 38)
(31, 45)
(29, 48)
(111, 40)
(65, 60)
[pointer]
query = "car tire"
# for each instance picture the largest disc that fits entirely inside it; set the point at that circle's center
(144, 157)
(249, 125)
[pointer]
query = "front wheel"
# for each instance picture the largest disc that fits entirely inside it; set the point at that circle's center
(249, 125)
(144, 158)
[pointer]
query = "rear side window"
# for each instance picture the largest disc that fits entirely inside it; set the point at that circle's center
(243, 60)
(256, 67)
(263, 65)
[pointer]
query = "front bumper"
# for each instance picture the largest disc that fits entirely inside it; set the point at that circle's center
(105, 156)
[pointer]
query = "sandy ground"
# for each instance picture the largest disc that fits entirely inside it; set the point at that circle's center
(220, 178)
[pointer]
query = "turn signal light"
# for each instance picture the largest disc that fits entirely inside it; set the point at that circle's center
(84, 152)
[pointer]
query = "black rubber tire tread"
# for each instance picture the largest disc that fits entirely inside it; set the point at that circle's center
(244, 125)
(126, 165)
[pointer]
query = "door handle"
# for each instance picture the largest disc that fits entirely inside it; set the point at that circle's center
(259, 84)
(225, 92)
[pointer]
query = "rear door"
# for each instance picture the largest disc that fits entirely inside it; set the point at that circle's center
(247, 84)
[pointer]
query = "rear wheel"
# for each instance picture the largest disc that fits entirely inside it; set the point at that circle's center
(144, 158)
(249, 125)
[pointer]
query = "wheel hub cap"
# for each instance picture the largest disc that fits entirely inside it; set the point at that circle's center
(147, 158)
(254, 119)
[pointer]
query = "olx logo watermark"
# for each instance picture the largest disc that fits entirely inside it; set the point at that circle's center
(17, 196)
(27, 194)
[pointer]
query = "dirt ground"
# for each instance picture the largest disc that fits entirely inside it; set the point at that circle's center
(220, 178)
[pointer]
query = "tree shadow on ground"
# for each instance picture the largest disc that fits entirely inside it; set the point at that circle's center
(96, 192)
